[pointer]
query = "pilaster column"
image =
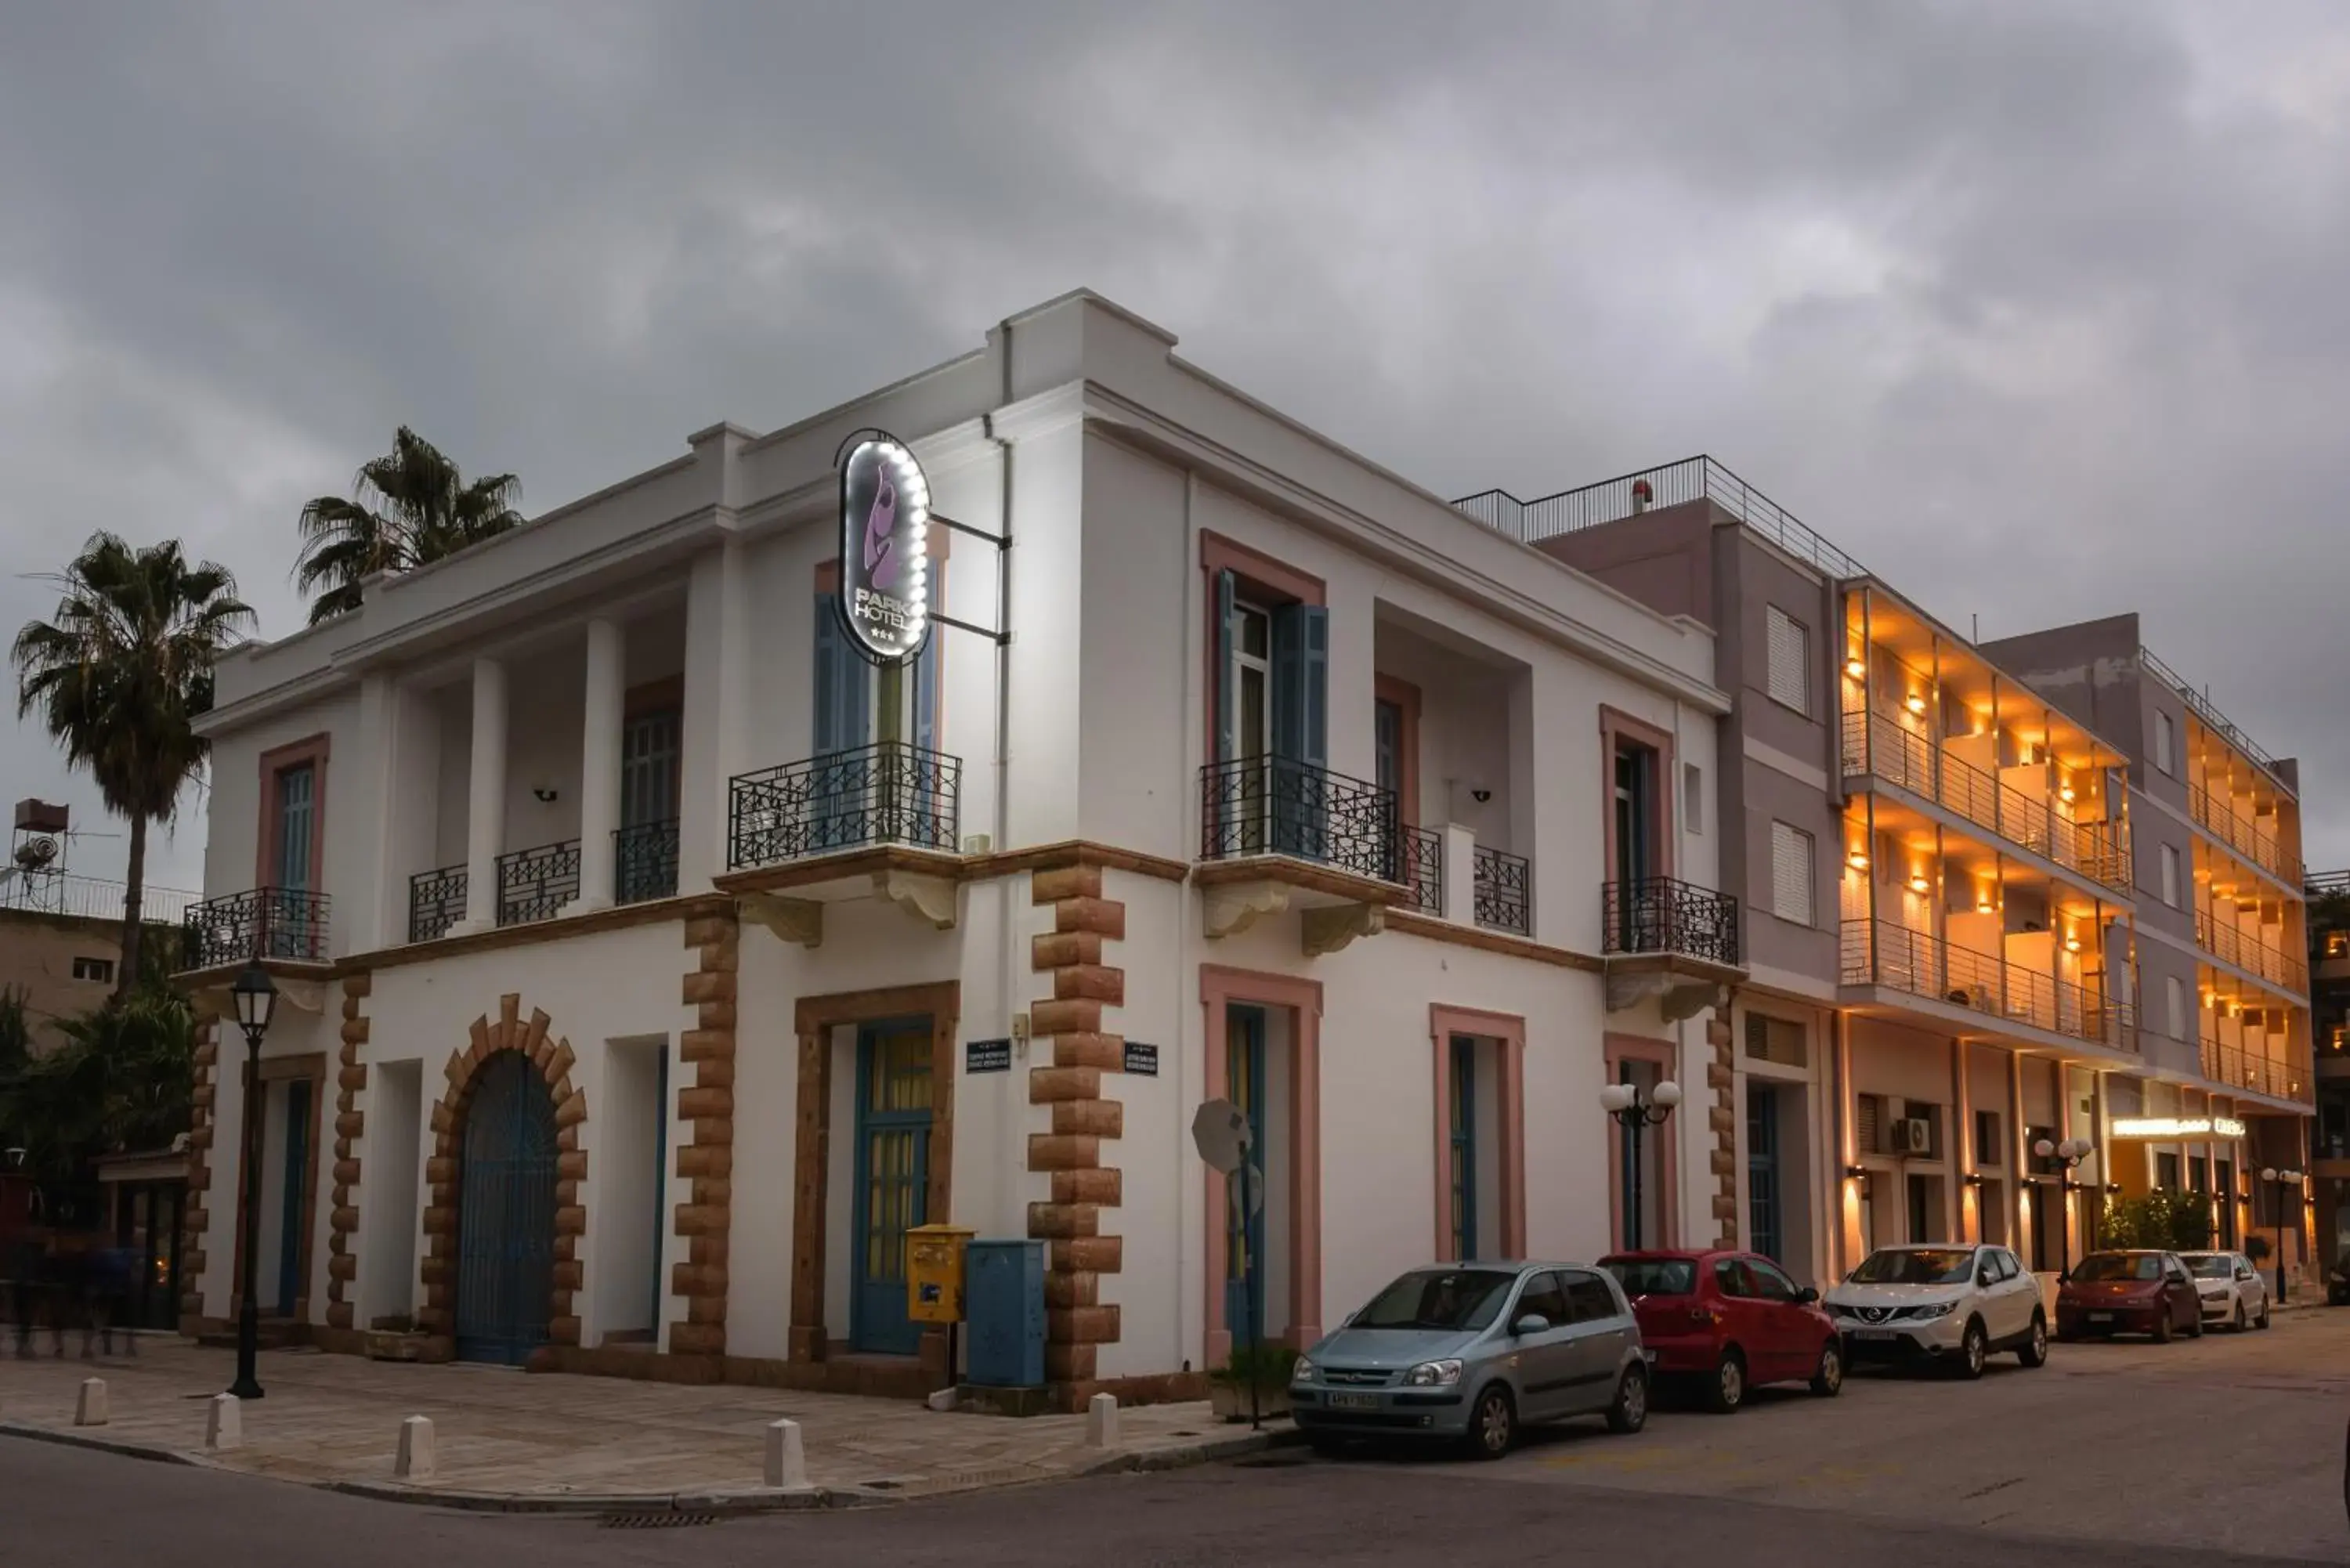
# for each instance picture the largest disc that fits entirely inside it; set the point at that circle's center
(599, 769)
(486, 799)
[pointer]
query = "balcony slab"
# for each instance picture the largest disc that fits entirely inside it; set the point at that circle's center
(1989, 1028)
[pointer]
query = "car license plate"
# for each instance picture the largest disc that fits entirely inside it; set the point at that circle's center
(1872, 1334)
(1354, 1401)
(2100, 1317)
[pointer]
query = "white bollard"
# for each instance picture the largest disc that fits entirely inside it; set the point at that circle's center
(1101, 1421)
(91, 1411)
(223, 1424)
(786, 1458)
(415, 1459)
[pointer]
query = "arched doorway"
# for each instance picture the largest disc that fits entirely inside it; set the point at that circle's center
(506, 1214)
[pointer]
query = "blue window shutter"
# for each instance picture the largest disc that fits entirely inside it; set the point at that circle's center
(926, 694)
(1227, 700)
(827, 681)
(1301, 684)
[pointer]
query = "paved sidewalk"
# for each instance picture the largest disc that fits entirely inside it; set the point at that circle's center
(509, 1439)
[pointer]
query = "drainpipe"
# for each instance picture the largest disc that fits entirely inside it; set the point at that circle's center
(1007, 945)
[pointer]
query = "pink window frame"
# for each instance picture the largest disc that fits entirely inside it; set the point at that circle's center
(1618, 1049)
(312, 750)
(1302, 999)
(1508, 1030)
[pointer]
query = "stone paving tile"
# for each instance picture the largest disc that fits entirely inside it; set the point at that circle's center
(336, 1418)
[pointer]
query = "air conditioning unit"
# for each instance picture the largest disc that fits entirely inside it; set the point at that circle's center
(1913, 1134)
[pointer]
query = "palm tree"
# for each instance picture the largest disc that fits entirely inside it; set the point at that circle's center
(119, 675)
(407, 507)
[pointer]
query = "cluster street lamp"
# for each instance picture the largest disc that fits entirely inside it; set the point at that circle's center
(2069, 1153)
(2284, 1181)
(1636, 1109)
(256, 1001)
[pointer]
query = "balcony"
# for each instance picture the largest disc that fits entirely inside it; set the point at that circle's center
(644, 862)
(1272, 806)
(2225, 942)
(1879, 746)
(436, 901)
(2242, 833)
(1659, 915)
(886, 794)
(2253, 1073)
(1421, 853)
(282, 923)
(1502, 887)
(1887, 954)
(535, 883)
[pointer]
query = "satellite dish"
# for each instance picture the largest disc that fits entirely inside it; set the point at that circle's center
(35, 854)
(1220, 1131)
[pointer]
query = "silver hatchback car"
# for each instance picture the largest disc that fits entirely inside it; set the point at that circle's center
(1472, 1352)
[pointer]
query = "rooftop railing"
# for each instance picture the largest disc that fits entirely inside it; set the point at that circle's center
(1886, 954)
(1875, 745)
(1696, 478)
(90, 897)
(2202, 707)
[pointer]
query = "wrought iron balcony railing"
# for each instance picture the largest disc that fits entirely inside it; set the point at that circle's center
(1880, 746)
(287, 923)
(2249, 1071)
(436, 901)
(534, 884)
(1661, 915)
(2241, 831)
(1421, 853)
(644, 862)
(1503, 890)
(888, 792)
(2223, 941)
(1886, 954)
(1271, 805)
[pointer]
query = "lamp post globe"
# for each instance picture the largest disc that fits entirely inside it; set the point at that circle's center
(1636, 1109)
(255, 996)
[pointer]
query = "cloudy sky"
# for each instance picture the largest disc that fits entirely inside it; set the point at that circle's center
(2041, 310)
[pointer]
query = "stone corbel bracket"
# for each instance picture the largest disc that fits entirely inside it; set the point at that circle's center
(929, 898)
(1327, 929)
(799, 921)
(1232, 907)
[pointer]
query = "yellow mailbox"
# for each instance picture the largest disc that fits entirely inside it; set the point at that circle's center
(934, 1273)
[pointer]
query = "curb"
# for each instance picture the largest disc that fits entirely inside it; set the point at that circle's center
(1206, 1451)
(75, 1440)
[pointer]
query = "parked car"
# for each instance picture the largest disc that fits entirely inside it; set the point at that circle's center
(1472, 1352)
(1732, 1319)
(2232, 1291)
(2128, 1293)
(1951, 1306)
(2337, 1284)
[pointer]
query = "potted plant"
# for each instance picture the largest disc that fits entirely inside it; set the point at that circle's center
(395, 1338)
(1266, 1367)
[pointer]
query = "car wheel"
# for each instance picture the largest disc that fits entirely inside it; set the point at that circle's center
(1974, 1349)
(1728, 1390)
(2240, 1323)
(2264, 1313)
(2162, 1327)
(2195, 1324)
(1827, 1378)
(2034, 1350)
(1493, 1424)
(1630, 1411)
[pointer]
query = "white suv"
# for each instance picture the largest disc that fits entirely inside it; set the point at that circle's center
(1953, 1305)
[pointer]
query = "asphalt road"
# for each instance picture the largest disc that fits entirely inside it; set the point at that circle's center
(2116, 1455)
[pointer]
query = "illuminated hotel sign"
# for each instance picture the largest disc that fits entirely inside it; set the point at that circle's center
(2177, 1127)
(885, 567)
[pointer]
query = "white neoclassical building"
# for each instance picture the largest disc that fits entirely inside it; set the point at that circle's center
(654, 954)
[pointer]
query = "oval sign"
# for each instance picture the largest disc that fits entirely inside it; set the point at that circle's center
(885, 567)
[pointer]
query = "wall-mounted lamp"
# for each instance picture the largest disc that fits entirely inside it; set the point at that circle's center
(1972, 1179)
(1916, 703)
(1481, 796)
(546, 797)
(2064, 793)
(1855, 1173)
(1855, 668)
(1983, 907)
(2071, 944)
(1918, 884)
(1857, 859)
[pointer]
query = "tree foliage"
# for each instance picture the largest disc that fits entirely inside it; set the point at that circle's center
(121, 1081)
(2169, 1221)
(407, 508)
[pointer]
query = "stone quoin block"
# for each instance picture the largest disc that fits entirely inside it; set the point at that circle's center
(1053, 949)
(1104, 1052)
(1073, 1289)
(1050, 1220)
(1087, 1255)
(1099, 1119)
(1048, 1151)
(1099, 916)
(1090, 983)
(1046, 1084)
(1082, 1016)
(1069, 1363)
(1063, 882)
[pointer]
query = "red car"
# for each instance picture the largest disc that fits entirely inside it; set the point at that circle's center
(2128, 1293)
(1732, 1319)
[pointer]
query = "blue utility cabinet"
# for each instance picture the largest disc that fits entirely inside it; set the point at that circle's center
(1004, 1303)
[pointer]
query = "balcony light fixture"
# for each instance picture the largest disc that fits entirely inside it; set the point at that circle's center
(1983, 907)
(1857, 859)
(1918, 884)
(2065, 793)
(1916, 703)
(1855, 668)
(2071, 944)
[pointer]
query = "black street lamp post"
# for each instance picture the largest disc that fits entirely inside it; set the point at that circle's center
(2069, 1154)
(256, 1000)
(2283, 1182)
(1636, 1109)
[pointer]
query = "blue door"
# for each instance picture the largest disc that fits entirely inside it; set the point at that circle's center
(1463, 1068)
(892, 1179)
(506, 1214)
(1244, 1067)
(1762, 1227)
(297, 1162)
(291, 933)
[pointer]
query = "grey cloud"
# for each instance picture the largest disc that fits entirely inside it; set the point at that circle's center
(2032, 308)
